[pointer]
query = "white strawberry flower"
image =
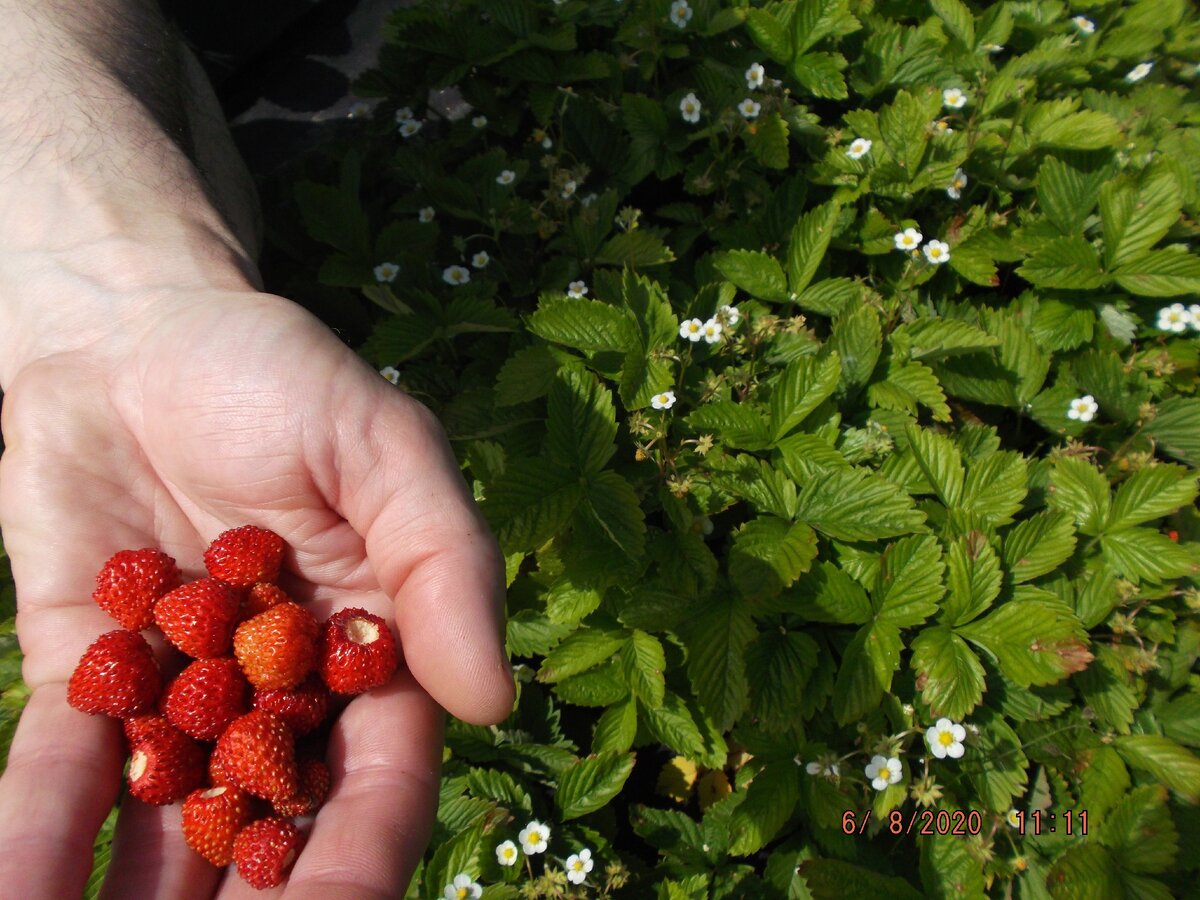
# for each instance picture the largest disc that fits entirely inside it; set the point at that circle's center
(480, 260)
(1176, 318)
(506, 853)
(665, 400)
(1083, 409)
(426, 214)
(508, 176)
(462, 888)
(479, 122)
(954, 98)
(945, 739)
(692, 329)
(689, 108)
(1194, 312)
(391, 373)
(992, 48)
(568, 189)
(749, 109)
(755, 75)
(908, 239)
(1084, 24)
(578, 866)
(403, 113)
(957, 183)
(940, 128)
(825, 766)
(534, 838)
(937, 252)
(1013, 818)
(859, 147)
(1138, 72)
(681, 13)
(359, 109)
(576, 289)
(729, 315)
(456, 275)
(883, 771)
(386, 272)
(409, 127)
(712, 331)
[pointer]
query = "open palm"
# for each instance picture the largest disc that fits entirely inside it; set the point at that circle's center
(227, 409)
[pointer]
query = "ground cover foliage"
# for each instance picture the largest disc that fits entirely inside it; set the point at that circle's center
(827, 369)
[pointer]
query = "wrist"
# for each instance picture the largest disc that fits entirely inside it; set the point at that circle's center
(102, 214)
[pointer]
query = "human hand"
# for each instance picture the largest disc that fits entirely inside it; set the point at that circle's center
(200, 411)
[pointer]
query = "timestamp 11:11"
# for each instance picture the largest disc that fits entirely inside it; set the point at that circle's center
(1038, 822)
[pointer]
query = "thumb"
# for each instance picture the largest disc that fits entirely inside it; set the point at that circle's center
(431, 550)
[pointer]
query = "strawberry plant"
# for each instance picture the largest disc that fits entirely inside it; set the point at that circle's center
(828, 372)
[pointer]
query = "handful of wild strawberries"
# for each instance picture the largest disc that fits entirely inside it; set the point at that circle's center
(221, 736)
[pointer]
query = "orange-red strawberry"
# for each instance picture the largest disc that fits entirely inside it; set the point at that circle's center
(212, 818)
(262, 597)
(117, 675)
(277, 648)
(206, 697)
(257, 753)
(265, 850)
(303, 707)
(314, 788)
(245, 556)
(199, 617)
(165, 766)
(130, 584)
(357, 652)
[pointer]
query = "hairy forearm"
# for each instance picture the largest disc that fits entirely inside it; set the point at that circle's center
(103, 116)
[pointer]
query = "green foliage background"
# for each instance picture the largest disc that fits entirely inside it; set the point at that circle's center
(867, 508)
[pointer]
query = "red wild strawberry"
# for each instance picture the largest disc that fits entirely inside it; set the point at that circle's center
(262, 597)
(258, 754)
(244, 556)
(212, 818)
(357, 652)
(277, 648)
(131, 582)
(138, 727)
(217, 776)
(206, 697)
(117, 675)
(303, 707)
(314, 788)
(265, 850)
(199, 617)
(165, 766)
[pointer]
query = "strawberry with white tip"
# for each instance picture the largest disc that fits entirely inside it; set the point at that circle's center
(357, 652)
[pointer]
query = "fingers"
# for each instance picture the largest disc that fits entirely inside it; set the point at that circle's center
(432, 551)
(385, 756)
(63, 772)
(150, 858)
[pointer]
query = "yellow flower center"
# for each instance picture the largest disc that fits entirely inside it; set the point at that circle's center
(463, 893)
(945, 738)
(935, 252)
